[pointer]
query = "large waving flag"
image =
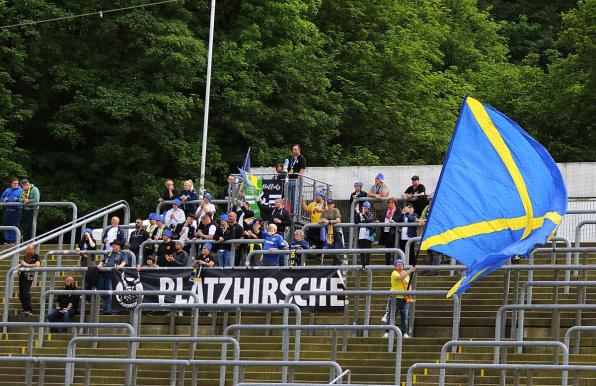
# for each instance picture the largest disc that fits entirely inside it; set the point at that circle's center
(500, 194)
(253, 185)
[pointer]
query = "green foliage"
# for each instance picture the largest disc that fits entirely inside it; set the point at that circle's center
(99, 109)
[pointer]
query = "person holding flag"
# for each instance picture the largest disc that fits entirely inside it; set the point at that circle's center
(400, 281)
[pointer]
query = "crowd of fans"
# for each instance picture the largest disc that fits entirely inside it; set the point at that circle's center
(191, 234)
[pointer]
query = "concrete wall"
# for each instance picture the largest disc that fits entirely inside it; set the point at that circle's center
(580, 177)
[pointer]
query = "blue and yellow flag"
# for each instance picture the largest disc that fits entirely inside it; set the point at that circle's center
(499, 194)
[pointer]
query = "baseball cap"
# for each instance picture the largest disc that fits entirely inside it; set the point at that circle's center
(167, 232)
(152, 216)
(398, 261)
(380, 176)
(415, 178)
(366, 204)
(89, 230)
(224, 217)
(208, 246)
(330, 201)
(208, 196)
(160, 218)
(359, 183)
(320, 193)
(176, 202)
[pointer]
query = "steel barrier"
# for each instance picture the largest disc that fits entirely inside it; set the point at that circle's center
(528, 367)
(17, 231)
(152, 242)
(31, 325)
(578, 329)
(489, 343)
(501, 313)
(556, 319)
(35, 209)
(196, 306)
(347, 373)
(70, 227)
(578, 236)
(71, 351)
(319, 327)
(323, 251)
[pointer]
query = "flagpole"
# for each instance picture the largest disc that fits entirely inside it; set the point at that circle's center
(207, 95)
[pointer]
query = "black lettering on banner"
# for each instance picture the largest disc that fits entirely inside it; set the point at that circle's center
(241, 286)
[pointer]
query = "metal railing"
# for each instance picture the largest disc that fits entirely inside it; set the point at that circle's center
(576, 329)
(35, 209)
(72, 226)
(323, 251)
(192, 202)
(192, 340)
(491, 343)
(527, 367)
(323, 327)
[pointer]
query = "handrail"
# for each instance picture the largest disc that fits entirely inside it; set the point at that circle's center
(492, 366)
(71, 349)
(347, 373)
(215, 201)
(318, 327)
(578, 329)
(489, 343)
(71, 226)
(322, 251)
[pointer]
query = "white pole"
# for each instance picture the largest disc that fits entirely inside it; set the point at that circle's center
(207, 94)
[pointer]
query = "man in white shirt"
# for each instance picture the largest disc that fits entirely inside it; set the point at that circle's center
(206, 207)
(175, 215)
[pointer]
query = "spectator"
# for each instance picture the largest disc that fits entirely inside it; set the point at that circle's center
(175, 215)
(400, 280)
(31, 260)
(366, 235)
(152, 231)
(152, 223)
(186, 231)
(204, 259)
(137, 237)
(12, 213)
(157, 234)
(66, 306)
(315, 208)
(297, 244)
(333, 236)
(149, 263)
(296, 168)
(358, 193)
(237, 234)
(230, 189)
(87, 243)
(114, 259)
(388, 234)
(255, 231)
(379, 190)
(281, 173)
(408, 216)
(29, 195)
(224, 251)
(206, 207)
(172, 255)
(276, 215)
(168, 193)
(245, 214)
(416, 195)
(113, 233)
(434, 257)
(187, 194)
(207, 228)
(166, 249)
(273, 242)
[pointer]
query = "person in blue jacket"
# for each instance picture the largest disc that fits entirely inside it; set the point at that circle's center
(12, 213)
(273, 241)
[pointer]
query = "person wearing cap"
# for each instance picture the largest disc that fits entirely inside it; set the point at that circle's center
(114, 259)
(186, 231)
(87, 243)
(12, 213)
(224, 233)
(400, 280)
(273, 242)
(333, 236)
(157, 233)
(358, 193)
(237, 234)
(170, 252)
(29, 195)
(175, 215)
(166, 249)
(187, 194)
(205, 207)
(137, 237)
(315, 208)
(168, 193)
(151, 230)
(254, 231)
(204, 259)
(416, 195)
(114, 232)
(366, 235)
(379, 190)
(297, 244)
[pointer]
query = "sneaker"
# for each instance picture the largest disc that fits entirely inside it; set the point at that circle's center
(384, 318)
(27, 313)
(406, 336)
(386, 335)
